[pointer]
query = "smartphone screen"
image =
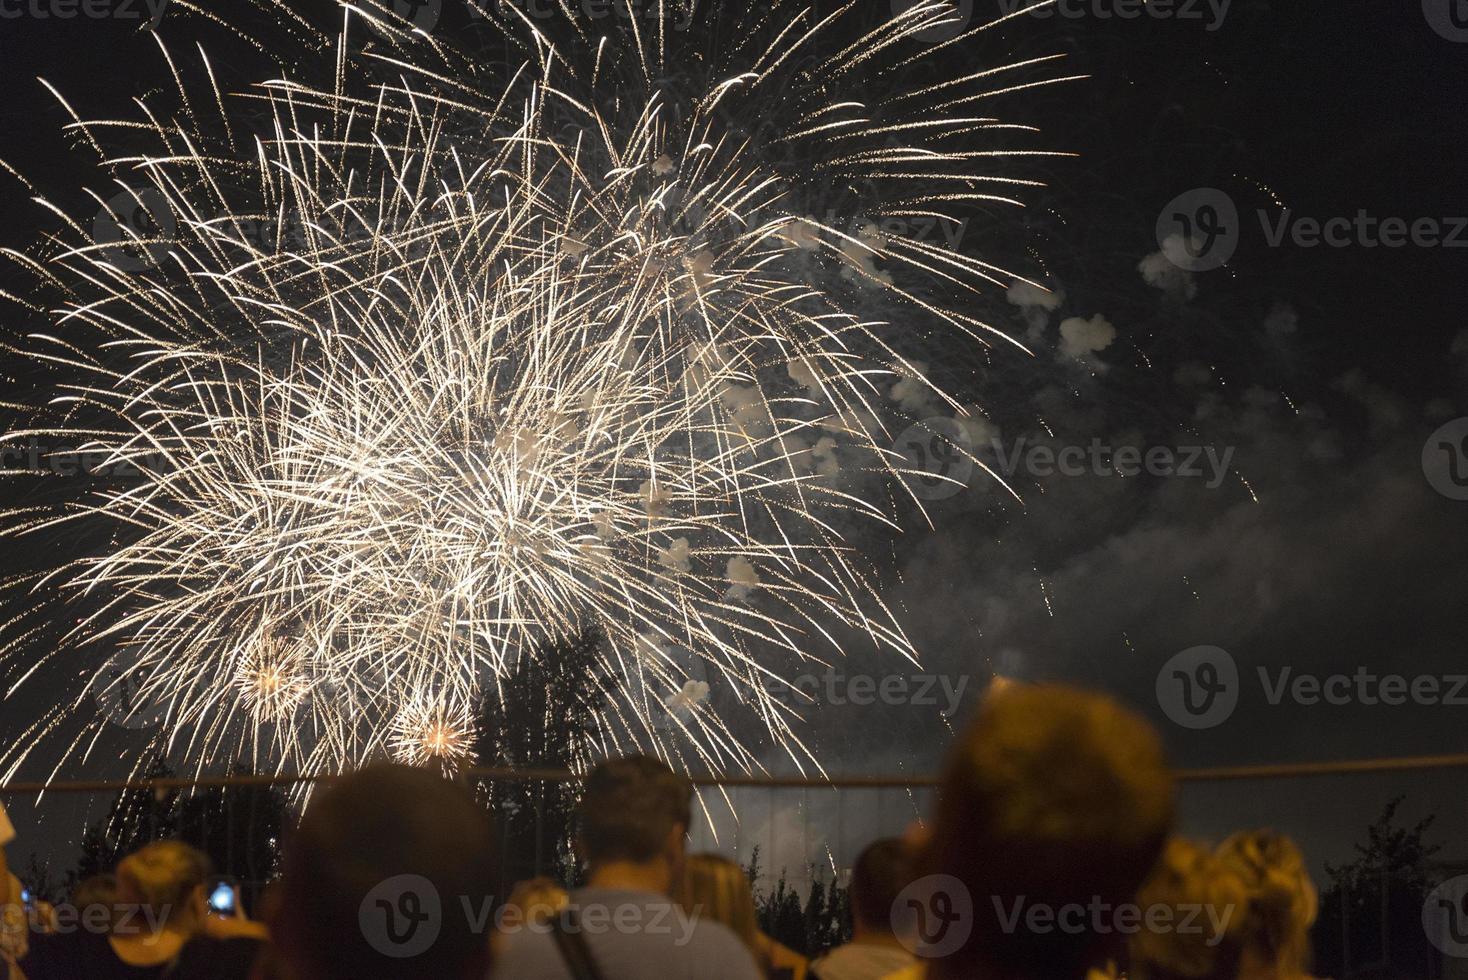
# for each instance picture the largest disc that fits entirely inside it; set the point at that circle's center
(223, 900)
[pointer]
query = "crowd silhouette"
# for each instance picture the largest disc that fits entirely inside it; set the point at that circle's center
(1050, 854)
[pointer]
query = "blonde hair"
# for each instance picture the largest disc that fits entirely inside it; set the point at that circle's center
(1190, 876)
(162, 877)
(1283, 902)
(716, 888)
(1053, 795)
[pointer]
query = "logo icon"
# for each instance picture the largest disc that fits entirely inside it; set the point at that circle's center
(139, 226)
(1445, 917)
(945, 25)
(390, 17)
(933, 916)
(1199, 688)
(1445, 460)
(937, 458)
(422, 14)
(118, 688)
(402, 916)
(1448, 17)
(1199, 230)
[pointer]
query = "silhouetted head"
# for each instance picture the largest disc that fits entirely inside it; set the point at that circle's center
(165, 881)
(635, 810)
(391, 875)
(1053, 798)
(878, 877)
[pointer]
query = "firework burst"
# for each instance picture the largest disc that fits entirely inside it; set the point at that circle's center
(444, 363)
(428, 732)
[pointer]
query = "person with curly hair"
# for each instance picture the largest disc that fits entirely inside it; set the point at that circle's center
(1199, 903)
(1241, 911)
(1282, 907)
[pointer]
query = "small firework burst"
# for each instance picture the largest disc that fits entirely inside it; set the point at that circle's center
(428, 731)
(273, 680)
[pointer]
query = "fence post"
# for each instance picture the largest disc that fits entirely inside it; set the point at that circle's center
(229, 829)
(539, 822)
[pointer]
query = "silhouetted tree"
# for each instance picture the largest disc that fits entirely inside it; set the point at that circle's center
(780, 915)
(239, 827)
(542, 715)
(811, 927)
(40, 882)
(1372, 911)
(136, 817)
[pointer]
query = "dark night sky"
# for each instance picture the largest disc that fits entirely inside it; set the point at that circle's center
(1348, 558)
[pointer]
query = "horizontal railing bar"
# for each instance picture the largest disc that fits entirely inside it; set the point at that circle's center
(1353, 767)
(1217, 774)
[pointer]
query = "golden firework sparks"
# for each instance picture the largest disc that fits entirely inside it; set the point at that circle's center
(446, 364)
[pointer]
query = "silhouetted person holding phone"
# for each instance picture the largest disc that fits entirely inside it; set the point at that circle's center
(160, 927)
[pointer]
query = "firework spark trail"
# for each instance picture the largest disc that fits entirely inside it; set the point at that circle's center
(508, 361)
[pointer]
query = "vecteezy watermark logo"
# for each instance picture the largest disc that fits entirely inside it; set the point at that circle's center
(138, 228)
(1099, 459)
(119, 688)
(70, 461)
(1102, 918)
(678, 15)
(937, 458)
(1363, 230)
(390, 19)
(422, 14)
(1445, 917)
(933, 916)
(96, 918)
(401, 917)
(1445, 460)
(1199, 688)
(946, 19)
(1126, 10)
(1199, 230)
(863, 690)
(1364, 687)
(1448, 17)
(153, 10)
(425, 15)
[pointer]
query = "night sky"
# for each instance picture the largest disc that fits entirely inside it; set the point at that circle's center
(1322, 547)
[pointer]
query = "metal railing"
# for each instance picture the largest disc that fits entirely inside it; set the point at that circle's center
(1202, 775)
(806, 831)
